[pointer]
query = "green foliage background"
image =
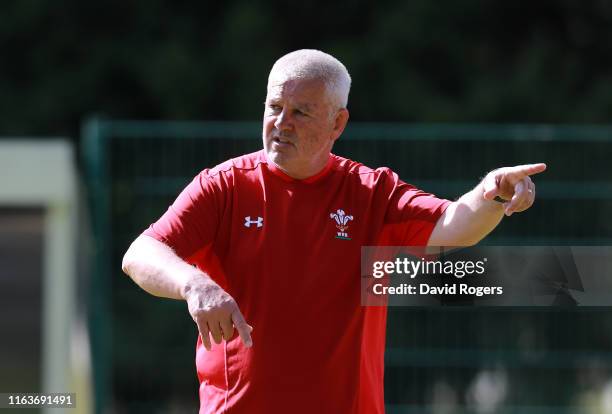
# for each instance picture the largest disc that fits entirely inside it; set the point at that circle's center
(448, 61)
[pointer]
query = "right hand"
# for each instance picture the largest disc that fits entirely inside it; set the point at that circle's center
(215, 312)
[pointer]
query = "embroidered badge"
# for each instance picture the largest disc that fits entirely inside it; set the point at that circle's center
(342, 220)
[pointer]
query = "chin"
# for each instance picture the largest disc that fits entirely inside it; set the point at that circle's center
(279, 158)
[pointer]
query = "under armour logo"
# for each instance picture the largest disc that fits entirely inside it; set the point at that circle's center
(248, 221)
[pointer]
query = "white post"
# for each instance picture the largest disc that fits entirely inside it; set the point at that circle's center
(42, 173)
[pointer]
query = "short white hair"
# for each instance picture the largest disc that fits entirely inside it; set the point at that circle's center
(314, 64)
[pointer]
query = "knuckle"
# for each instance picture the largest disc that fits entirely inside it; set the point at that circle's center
(229, 304)
(201, 315)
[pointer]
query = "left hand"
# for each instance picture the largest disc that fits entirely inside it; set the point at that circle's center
(512, 184)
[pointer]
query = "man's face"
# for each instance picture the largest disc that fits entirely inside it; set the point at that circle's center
(300, 126)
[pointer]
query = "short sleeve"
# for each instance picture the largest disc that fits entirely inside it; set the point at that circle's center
(411, 213)
(192, 221)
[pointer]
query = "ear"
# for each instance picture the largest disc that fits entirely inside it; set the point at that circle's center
(340, 121)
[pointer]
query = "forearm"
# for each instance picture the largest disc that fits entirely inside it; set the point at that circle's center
(467, 220)
(157, 269)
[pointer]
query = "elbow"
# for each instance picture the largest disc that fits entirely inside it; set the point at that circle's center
(131, 258)
(454, 240)
(470, 241)
(463, 243)
(129, 262)
(131, 267)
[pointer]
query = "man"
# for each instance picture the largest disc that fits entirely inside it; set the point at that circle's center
(269, 244)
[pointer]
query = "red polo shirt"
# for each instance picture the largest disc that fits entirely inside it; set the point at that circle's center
(288, 251)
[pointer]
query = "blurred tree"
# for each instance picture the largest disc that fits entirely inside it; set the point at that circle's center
(468, 61)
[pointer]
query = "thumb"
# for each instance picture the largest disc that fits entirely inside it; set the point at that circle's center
(243, 328)
(490, 188)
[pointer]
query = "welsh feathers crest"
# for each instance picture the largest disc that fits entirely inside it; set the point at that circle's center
(342, 220)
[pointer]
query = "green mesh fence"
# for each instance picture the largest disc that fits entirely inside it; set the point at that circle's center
(544, 360)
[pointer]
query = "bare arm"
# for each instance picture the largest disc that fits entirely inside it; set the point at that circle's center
(159, 271)
(469, 219)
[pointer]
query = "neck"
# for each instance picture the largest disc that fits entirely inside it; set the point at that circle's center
(302, 174)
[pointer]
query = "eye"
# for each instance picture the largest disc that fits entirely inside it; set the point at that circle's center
(275, 108)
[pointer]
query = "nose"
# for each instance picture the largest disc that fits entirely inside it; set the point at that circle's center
(283, 120)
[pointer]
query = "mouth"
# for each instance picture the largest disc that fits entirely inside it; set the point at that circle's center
(281, 140)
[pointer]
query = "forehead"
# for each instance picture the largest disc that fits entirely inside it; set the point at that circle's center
(311, 91)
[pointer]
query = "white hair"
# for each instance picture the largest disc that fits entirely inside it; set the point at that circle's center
(314, 64)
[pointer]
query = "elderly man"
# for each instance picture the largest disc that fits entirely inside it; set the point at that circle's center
(269, 244)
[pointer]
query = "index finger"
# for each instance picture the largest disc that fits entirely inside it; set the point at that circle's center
(244, 330)
(529, 169)
(204, 334)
